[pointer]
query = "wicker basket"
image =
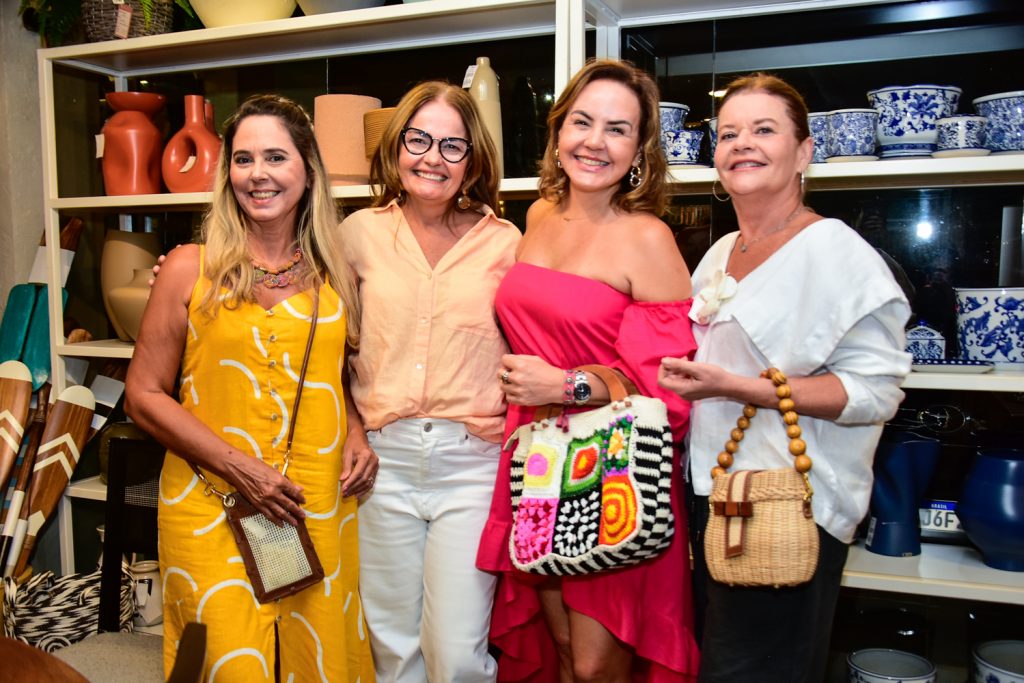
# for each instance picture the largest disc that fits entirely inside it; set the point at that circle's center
(51, 612)
(100, 18)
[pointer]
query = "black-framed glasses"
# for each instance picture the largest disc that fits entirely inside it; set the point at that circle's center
(419, 142)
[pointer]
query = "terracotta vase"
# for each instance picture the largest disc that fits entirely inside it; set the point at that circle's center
(123, 254)
(338, 126)
(132, 144)
(190, 158)
(129, 301)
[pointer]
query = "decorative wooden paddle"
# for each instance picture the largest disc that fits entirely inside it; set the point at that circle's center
(35, 434)
(15, 400)
(55, 462)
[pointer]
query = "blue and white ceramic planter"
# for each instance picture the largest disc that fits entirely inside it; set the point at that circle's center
(907, 116)
(851, 132)
(961, 132)
(925, 343)
(713, 136)
(681, 146)
(990, 326)
(818, 123)
(1005, 114)
(881, 665)
(999, 661)
(673, 115)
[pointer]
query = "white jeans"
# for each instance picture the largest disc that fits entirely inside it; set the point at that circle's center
(427, 606)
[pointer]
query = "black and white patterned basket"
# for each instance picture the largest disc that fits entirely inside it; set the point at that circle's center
(51, 612)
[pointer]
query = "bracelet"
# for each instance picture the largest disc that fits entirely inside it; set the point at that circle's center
(569, 388)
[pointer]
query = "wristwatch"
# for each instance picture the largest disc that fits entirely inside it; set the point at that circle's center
(581, 389)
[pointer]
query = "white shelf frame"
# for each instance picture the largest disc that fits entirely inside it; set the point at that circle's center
(946, 571)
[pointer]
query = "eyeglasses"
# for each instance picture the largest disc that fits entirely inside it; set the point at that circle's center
(419, 142)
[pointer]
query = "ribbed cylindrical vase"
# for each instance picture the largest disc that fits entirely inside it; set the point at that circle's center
(338, 125)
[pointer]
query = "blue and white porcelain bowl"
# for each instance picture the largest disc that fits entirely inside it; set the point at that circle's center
(673, 115)
(999, 661)
(851, 132)
(817, 121)
(990, 325)
(881, 665)
(713, 136)
(907, 116)
(925, 343)
(1005, 114)
(963, 133)
(681, 147)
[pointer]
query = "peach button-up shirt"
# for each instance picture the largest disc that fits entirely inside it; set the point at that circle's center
(429, 343)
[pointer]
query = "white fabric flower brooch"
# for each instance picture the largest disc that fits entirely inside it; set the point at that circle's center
(709, 299)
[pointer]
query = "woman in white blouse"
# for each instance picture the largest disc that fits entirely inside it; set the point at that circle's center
(807, 295)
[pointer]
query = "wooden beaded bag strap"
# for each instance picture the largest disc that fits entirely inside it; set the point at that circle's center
(797, 446)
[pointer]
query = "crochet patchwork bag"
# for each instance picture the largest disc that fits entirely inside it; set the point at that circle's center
(591, 490)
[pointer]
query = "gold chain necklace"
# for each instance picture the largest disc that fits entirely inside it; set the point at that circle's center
(746, 245)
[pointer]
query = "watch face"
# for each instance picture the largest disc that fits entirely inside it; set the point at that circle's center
(582, 392)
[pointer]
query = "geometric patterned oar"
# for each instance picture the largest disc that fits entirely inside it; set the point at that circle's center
(30, 445)
(15, 399)
(55, 462)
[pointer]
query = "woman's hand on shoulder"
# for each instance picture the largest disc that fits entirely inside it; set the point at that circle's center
(655, 268)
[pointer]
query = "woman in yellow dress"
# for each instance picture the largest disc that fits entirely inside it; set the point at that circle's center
(235, 314)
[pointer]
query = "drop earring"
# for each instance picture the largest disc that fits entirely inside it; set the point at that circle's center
(558, 162)
(464, 202)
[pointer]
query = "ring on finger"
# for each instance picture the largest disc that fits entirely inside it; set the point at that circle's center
(504, 377)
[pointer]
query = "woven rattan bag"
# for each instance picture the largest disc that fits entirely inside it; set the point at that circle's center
(761, 530)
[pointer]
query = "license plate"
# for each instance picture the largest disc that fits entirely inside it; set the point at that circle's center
(939, 516)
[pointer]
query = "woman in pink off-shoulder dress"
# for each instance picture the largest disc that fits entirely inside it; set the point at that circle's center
(598, 279)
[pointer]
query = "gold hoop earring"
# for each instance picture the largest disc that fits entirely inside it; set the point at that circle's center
(635, 177)
(464, 202)
(803, 184)
(714, 193)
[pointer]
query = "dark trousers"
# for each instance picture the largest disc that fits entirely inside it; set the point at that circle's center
(764, 635)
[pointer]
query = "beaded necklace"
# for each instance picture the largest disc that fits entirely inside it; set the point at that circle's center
(746, 245)
(277, 277)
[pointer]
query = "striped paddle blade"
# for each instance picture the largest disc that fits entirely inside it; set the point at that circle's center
(55, 462)
(15, 399)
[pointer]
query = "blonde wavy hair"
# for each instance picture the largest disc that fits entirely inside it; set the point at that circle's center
(650, 195)
(481, 181)
(225, 226)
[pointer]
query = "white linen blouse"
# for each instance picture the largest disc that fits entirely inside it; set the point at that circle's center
(824, 302)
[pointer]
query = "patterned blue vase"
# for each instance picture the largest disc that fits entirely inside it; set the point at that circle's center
(991, 508)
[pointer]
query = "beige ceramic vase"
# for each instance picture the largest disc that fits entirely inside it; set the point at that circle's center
(124, 253)
(338, 126)
(129, 301)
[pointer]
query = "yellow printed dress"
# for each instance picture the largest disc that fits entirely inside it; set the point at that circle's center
(239, 375)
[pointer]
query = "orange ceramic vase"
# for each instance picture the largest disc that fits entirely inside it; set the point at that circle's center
(190, 157)
(131, 144)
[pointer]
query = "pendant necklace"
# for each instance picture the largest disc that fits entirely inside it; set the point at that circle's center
(277, 277)
(746, 245)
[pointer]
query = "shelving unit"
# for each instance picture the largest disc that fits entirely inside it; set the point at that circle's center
(946, 571)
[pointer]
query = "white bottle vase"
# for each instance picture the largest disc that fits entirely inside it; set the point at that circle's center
(484, 91)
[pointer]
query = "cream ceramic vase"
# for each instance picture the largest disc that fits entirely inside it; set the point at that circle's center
(338, 126)
(215, 13)
(129, 302)
(125, 253)
(484, 91)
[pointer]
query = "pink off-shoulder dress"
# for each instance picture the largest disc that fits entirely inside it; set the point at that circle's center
(569, 320)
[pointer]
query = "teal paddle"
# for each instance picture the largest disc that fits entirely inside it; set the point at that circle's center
(20, 302)
(36, 354)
